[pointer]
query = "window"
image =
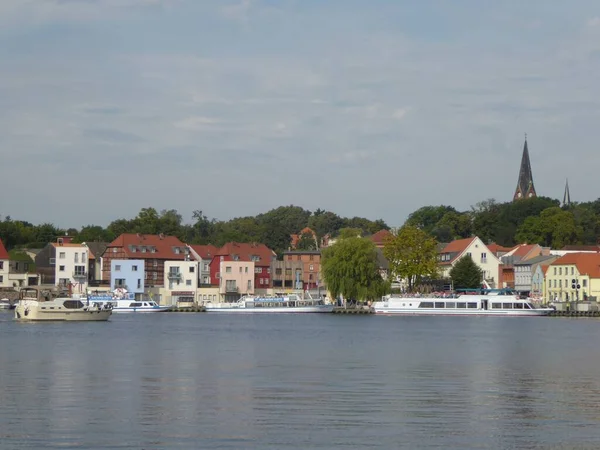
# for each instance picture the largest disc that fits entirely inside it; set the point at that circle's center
(61, 268)
(249, 284)
(61, 255)
(469, 254)
(268, 270)
(118, 268)
(154, 275)
(188, 282)
(52, 261)
(560, 270)
(228, 269)
(584, 283)
(139, 283)
(310, 267)
(260, 270)
(439, 305)
(218, 275)
(76, 256)
(472, 305)
(177, 250)
(559, 283)
(1, 278)
(134, 268)
(572, 271)
(145, 275)
(277, 271)
(311, 257)
(155, 263)
(192, 269)
(143, 249)
(206, 269)
(133, 249)
(153, 249)
(2, 265)
(555, 271)
(240, 269)
(483, 257)
(246, 269)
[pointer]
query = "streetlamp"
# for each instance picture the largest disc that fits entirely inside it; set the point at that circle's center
(575, 285)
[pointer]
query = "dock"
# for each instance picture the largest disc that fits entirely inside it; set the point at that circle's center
(184, 309)
(574, 314)
(342, 310)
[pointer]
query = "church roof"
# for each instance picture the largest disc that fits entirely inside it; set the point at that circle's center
(525, 188)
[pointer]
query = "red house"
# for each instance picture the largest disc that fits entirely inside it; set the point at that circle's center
(234, 251)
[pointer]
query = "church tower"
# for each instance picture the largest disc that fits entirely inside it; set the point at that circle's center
(525, 187)
(567, 196)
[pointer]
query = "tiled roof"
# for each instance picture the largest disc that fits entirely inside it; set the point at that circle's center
(495, 248)
(379, 237)
(3, 252)
(456, 248)
(523, 249)
(96, 249)
(67, 244)
(152, 246)
(534, 260)
(246, 252)
(586, 263)
(205, 251)
(545, 268)
(594, 248)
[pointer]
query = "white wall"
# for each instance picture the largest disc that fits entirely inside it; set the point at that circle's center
(67, 258)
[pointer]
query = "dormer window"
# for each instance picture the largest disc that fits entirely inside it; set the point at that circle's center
(133, 249)
(177, 250)
(143, 249)
(153, 249)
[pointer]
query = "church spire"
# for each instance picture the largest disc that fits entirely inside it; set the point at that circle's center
(525, 188)
(567, 195)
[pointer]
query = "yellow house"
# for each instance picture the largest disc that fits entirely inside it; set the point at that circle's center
(575, 276)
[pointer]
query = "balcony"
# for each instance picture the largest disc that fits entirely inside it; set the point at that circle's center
(175, 276)
(231, 288)
(79, 275)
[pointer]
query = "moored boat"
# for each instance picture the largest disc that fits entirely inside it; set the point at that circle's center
(487, 304)
(122, 301)
(37, 305)
(288, 303)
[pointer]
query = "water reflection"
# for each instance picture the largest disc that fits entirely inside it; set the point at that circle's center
(217, 381)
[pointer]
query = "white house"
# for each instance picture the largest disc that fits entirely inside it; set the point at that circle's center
(71, 266)
(478, 251)
(4, 266)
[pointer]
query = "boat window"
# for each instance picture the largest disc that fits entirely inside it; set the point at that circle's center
(450, 305)
(145, 304)
(507, 306)
(135, 305)
(518, 305)
(528, 306)
(426, 305)
(496, 305)
(472, 305)
(440, 304)
(72, 304)
(461, 305)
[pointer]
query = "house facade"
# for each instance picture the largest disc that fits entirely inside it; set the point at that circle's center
(64, 264)
(127, 274)
(287, 274)
(311, 267)
(236, 279)
(4, 267)
(524, 271)
(259, 254)
(478, 251)
(22, 271)
(154, 250)
(572, 277)
(203, 254)
(96, 250)
(181, 281)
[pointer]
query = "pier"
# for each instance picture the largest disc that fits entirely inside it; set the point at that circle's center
(342, 310)
(574, 314)
(184, 309)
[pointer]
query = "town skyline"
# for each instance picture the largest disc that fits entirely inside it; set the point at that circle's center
(376, 111)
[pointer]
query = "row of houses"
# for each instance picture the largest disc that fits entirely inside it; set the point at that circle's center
(172, 271)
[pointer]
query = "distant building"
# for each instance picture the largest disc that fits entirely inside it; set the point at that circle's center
(181, 281)
(4, 266)
(525, 188)
(127, 274)
(203, 254)
(574, 276)
(380, 237)
(311, 268)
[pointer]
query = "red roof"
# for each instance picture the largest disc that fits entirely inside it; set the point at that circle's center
(523, 250)
(495, 248)
(150, 246)
(248, 252)
(3, 252)
(457, 247)
(205, 251)
(586, 263)
(380, 236)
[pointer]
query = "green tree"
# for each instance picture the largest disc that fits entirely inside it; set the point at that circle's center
(466, 274)
(93, 233)
(427, 217)
(325, 222)
(453, 225)
(346, 233)
(554, 227)
(412, 256)
(307, 241)
(350, 268)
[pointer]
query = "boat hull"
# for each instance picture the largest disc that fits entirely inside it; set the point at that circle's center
(35, 314)
(277, 310)
(446, 312)
(142, 309)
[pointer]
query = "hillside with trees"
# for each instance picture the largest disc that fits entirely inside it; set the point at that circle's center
(538, 220)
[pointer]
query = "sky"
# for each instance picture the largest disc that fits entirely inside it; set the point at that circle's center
(234, 107)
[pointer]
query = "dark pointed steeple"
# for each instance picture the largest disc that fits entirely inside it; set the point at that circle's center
(567, 196)
(525, 188)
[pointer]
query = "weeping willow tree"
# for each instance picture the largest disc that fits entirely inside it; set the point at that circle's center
(350, 268)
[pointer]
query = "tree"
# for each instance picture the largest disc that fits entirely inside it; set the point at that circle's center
(307, 241)
(554, 227)
(466, 274)
(412, 255)
(350, 268)
(427, 217)
(346, 233)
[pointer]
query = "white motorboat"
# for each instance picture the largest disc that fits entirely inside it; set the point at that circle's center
(122, 301)
(290, 303)
(38, 305)
(488, 303)
(6, 304)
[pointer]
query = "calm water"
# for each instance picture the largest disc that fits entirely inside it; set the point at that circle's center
(300, 382)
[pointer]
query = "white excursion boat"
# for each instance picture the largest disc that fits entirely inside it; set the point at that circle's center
(287, 303)
(488, 303)
(38, 305)
(122, 301)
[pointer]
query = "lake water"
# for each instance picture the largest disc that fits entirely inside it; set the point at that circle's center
(300, 382)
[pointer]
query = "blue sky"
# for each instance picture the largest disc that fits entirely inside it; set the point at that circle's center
(366, 108)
